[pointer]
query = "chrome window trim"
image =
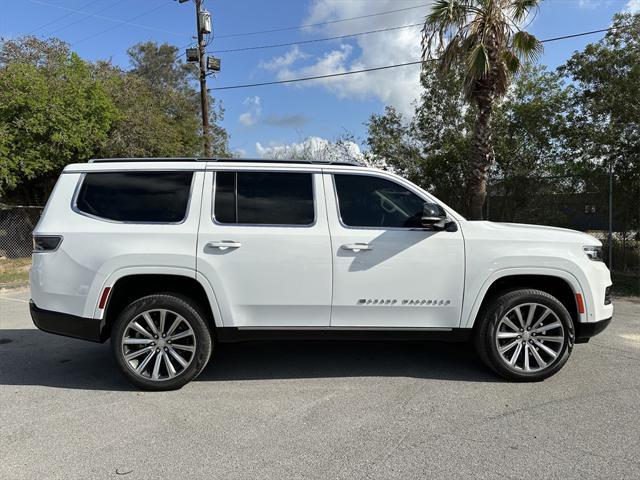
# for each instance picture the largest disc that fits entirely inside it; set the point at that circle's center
(347, 227)
(278, 225)
(76, 193)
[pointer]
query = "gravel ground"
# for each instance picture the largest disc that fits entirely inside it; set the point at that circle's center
(317, 410)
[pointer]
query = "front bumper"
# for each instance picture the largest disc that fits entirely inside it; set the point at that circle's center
(584, 331)
(91, 329)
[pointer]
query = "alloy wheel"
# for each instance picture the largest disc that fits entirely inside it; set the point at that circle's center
(530, 337)
(158, 344)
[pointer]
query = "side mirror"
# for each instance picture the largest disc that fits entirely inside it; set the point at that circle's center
(434, 216)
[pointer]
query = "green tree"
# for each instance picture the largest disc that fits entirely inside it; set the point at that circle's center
(150, 122)
(532, 154)
(482, 39)
(167, 74)
(433, 149)
(605, 118)
(52, 113)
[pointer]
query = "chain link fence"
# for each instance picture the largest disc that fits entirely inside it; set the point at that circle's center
(16, 224)
(601, 205)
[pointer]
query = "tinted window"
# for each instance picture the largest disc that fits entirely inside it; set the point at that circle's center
(136, 196)
(366, 201)
(264, 198)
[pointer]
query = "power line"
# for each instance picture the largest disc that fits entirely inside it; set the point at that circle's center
(384, 67)
(75, 22)
(101, 17)
(300, 27)
(326, 39)
(55, 20)
(123, 22)
(582, 34)
(317, 77)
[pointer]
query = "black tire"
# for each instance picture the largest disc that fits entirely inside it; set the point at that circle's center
(175, 305)
(487, 344)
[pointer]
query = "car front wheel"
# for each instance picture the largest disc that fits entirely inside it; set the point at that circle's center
(161, 342)
(525, 335)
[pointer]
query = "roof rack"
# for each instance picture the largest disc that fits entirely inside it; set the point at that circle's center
(220, 159)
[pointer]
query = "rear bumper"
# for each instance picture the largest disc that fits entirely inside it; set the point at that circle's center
(584, 331)
(91, 329)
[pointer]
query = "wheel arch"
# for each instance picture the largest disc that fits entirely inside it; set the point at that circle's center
(562, 285)
(128, 286)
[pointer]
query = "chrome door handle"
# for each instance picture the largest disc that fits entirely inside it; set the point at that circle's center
(356, 247)
(224, 244)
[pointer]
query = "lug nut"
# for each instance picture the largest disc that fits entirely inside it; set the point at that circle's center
(153, 344)
(166, 349)
(155, 336)
(164, 335)
(157, 349)
(519, 336)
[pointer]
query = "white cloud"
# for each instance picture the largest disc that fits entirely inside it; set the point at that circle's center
(398, 86)
(240, 153)
(253, 115)
(292, 56)
(250, 117)
(633, 6)
(590, 4)
(312, 148)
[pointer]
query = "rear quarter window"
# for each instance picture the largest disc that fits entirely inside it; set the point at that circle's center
(142, 197)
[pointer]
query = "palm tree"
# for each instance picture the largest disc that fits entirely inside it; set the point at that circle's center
(483, 39)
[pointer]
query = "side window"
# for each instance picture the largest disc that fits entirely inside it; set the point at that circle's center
(264, 198)
(144, 197)
(367, 201)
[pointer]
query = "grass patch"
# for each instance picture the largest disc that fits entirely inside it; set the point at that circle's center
(625, 285)
(14, 271)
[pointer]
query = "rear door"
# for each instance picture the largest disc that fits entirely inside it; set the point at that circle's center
(389, 272)
(264, 246)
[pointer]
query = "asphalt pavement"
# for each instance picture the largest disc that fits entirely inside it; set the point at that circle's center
(343, 410)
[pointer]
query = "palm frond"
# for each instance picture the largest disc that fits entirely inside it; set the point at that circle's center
(526, 46)
(511, 60)
(445, 17)
(478, 63)
(521, 8)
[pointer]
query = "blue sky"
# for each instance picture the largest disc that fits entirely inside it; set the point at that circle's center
(261, 118)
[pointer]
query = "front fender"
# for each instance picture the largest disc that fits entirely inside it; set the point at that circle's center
(473, 303)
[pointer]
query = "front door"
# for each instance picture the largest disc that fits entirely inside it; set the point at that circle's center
(389, 272)
(264, 246)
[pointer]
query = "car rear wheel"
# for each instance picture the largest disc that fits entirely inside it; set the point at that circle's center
(525, 335)
(161, 342)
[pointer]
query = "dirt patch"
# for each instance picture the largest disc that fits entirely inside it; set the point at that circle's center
(14, 271)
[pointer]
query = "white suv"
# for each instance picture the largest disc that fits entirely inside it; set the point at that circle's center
(168, 257)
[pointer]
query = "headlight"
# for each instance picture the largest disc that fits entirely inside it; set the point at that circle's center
(594, 253)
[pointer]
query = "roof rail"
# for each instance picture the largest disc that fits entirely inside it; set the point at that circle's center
(220, 159)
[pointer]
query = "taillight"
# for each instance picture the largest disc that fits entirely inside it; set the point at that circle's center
(607, 295)
(46, 243)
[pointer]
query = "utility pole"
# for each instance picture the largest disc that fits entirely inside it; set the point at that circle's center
(198, 54)
(204, 97)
